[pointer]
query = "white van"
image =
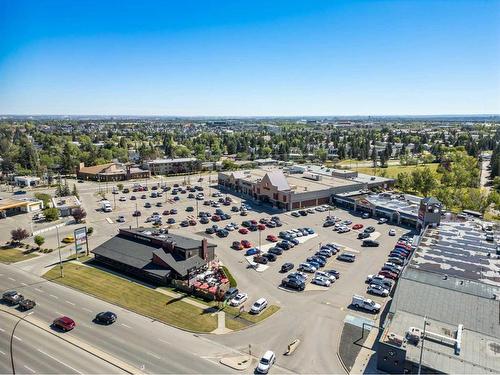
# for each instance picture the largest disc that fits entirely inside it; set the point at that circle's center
(361, 302)
(106, 206)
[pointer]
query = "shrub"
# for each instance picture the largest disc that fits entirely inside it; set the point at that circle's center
(51, 214)
(45, 198)
(78, 214)
(18, 235)
(90, 230)
(39, 240)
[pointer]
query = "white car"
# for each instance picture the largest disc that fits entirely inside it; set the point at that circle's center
(327, 276)
(121, 219)
(382, 220)
(379, 280)
(258, 306)
(378, 290)
(392, 232)
(239, 299)
(229, 227)
(266, 362)
(122, 199)
(319, 280)
(393, 266)
(306, 267)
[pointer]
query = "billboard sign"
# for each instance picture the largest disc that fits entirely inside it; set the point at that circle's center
(80, 238)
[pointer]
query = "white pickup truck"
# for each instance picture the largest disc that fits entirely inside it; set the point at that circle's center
(361, 302)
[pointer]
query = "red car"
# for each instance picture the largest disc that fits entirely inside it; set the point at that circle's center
(192, 222)
(357, 226)
(261, 227)
(64, 323)
(388, 274)
(243, 230)
(237, 246)
(216, 218)
(246, 244)
(403, 244)
(166, 212)
(272, 238)
(254, 222)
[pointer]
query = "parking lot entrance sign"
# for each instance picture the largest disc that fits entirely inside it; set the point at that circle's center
(80, 236)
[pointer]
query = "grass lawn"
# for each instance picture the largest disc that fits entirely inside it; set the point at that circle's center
(393, 170)
(81, 258)
(135, 297)
(8, 255)
(236, 321)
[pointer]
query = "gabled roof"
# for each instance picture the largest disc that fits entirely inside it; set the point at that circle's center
(181, 266)
(96, 168)
(430, 200)
(278, 179)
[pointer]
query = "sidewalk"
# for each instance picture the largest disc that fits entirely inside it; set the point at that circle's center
(364, 361)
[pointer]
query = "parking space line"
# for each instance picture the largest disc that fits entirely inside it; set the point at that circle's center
(88, 310)
(2, 353)
(2, 330)
(39, 290)
(56, 297)
(125, 325)
(24, 284)
(154, 355)
(17, 338)
(10, 278)
(164, 341)
(71, 303)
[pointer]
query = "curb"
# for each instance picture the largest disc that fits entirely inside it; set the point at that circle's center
(341, 361)
(129, 369)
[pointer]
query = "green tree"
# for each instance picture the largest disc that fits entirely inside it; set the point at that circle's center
(39, 240)
(51, 214)
(75, 191)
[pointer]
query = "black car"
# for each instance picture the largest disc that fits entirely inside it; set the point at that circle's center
(363, 235)
(106, 317)
(231, 293)
(147, 205)
(302, 213)
(26, 304)
(204, 220)
(369, 230)
(275, 251)
(210, 230)
(12, 297)
(270, 257)
(284, 245)
(271, 224)
(126, 191)
(346, 257)
(222, 233)
(328, 223)
(260, 259)
(246, 224)
(252, 228)
(286, 267)
(184, 223)
(293, 283)
(370, 243)
(171, 220)
(333, 273)
(235, 209)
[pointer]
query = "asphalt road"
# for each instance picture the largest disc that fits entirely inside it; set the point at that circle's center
(141, 342)
(38, 352)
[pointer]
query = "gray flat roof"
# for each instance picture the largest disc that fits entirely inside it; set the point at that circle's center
(181, 241)
(170, 161)
(458, 249)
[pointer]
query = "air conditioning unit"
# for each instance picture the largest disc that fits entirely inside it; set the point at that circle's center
(413, 335)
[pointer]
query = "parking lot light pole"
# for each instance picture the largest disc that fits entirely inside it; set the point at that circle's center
(260, 236)
(136, 217)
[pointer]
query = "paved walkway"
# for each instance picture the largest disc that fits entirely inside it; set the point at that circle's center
(364, 361)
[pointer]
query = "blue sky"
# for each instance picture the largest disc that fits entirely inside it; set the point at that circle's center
(311, 57)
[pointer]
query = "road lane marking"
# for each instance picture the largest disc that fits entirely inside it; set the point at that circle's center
(125, 325)
(2, 330)
(24, 284)
(154, 355)
(2, 353)
(55, 359)
(30, 369)
(56, 297)
(17, 338)
(88, 310)
(10, 278)
(58, 313)
(165, 341)
(71, 303)
(39, 290)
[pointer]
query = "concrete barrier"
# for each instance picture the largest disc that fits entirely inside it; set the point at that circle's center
(43, 230)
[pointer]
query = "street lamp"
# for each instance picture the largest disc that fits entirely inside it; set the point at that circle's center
(59, 250)
(136, 217)
(12, 340)
(422, 347)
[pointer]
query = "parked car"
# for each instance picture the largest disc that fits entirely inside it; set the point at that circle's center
(275, 250)
(252, 251)
(326, 275)
(333, 273)
(357, 226)
(231, 293)
(265, 362)
(246, 244)
(260, 259)
(347, 257)
(388, 274)
(121, 219)
(363, 235)
(295, 214)
(369, 229)
(319, 280)
(258, 306)
(106, 317)
(370, 243)
(293, 283)
(239, 299)
(243, 230)
(378, 290)
(361, 302)
(285, 267)
(136, 213)
(68, 239)
(306, 267)
(396, 260)
(64, 323)
(272, 238)
(382, 220)
(379, 280)
(392, 232)
(366, 215)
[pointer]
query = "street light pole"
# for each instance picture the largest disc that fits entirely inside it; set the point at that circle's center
(12, 340)
(136, 217)
(59, 250)
(422, 347)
